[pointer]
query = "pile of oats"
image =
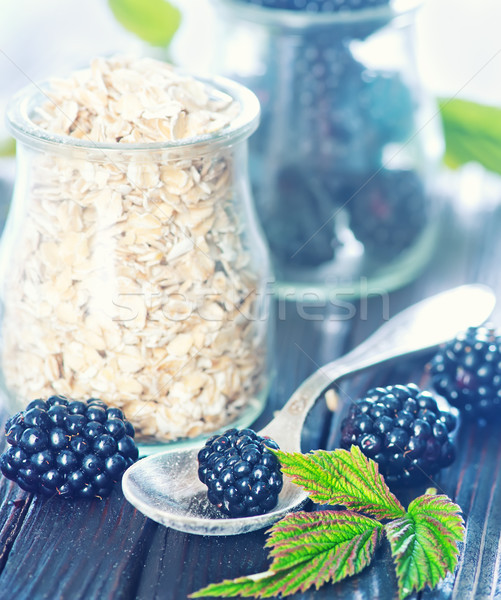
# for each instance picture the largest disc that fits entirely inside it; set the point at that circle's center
(132, 278)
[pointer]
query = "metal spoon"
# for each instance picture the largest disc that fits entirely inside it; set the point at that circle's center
(165, 486)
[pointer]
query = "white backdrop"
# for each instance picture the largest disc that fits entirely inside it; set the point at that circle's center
(459, 42)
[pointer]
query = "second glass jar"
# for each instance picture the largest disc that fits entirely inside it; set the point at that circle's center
(344, 160)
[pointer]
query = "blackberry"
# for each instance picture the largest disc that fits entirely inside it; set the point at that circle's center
(242, 475)
(388, 210)
(467, 371)
(296, 223)
(318, 6)
(341, 113)
(70, 448)
(402, 429)
(359, 28)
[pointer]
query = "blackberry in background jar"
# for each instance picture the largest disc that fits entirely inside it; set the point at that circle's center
(289, 227)
(318, 6)
(387, 210)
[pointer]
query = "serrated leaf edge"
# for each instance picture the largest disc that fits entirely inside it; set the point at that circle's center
(354, 553)
(296, 524)
(332, 466)
(448, 558)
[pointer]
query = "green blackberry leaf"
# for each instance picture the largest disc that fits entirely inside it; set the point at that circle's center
(154, 21)
(342, 477)
(308, 549)
(261, 585)
(472, 133)
(424, 542)
(340, 543)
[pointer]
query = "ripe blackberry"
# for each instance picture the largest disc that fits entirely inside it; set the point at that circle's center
(467, 371)
(341, 114)
(360, 28)
(402, 429)
(70, 448)
(243, 477)
(388, 210)
(299, 225)
(318, 6)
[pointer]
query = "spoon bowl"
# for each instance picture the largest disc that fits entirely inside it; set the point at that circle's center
(165, 486)
(182, 502)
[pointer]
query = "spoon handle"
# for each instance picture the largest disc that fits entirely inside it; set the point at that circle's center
(422, 326)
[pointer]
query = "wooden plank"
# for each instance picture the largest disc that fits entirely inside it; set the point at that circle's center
(178, 564)
(77, 549)
(14, 504)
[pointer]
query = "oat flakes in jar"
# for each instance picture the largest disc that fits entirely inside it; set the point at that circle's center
(132, 267)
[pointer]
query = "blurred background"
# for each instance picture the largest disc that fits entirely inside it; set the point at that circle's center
(458, 44)
(458, 53)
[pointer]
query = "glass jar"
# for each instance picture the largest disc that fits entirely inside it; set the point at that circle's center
(136, 273)
(344, 160)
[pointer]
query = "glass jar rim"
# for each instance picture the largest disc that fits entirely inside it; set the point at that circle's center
(296, 19)
(21, 125)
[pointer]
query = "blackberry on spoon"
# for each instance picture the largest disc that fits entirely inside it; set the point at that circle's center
(242, 475)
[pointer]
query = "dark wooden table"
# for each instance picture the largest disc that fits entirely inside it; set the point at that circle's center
(53, 549)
